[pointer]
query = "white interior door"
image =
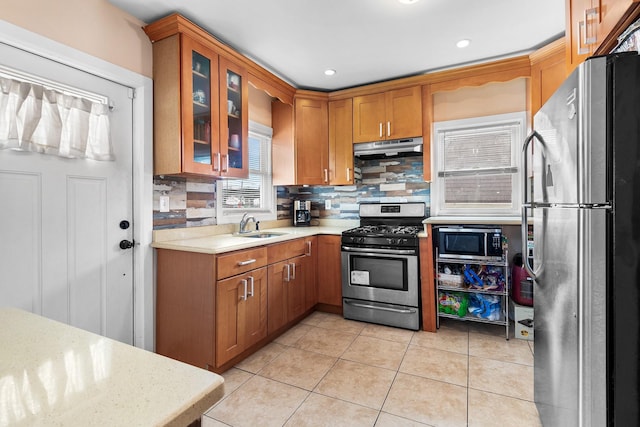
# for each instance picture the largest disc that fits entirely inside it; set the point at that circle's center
(60, 219)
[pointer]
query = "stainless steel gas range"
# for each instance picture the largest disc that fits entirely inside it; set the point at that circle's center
(380, 269)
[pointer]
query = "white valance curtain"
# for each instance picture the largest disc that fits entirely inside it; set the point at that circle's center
(34, 118)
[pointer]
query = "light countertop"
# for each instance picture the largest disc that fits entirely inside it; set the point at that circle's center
(220, 243)
(55, 374)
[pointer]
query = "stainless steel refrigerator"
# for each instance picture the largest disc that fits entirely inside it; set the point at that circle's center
(585, 205)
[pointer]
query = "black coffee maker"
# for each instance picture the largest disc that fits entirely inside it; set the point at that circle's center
(301, 213)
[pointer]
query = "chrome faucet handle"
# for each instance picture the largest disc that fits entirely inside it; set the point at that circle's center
(244, 221)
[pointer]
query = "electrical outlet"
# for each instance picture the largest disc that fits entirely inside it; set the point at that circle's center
(327, 204)
(164, 203)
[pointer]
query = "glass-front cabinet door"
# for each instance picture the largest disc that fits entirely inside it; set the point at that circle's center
(234, 120)
(200, 110)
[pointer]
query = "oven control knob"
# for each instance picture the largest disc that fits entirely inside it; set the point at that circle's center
(361, 240)
(391, 241)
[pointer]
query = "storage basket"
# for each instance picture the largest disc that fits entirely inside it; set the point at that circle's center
(450, 280)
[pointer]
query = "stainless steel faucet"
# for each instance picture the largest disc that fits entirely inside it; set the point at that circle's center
(244, 221)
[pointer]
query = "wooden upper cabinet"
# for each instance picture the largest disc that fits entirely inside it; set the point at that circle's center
(390, 115)
(234, 120)
(311, 141)
(548, 71)
(341, 142)
(404, 112)
(200, 114)
(186, 115)
(368, 117)
(593, 26)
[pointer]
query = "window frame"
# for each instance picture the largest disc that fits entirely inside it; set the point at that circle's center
(438, 205)
(269, 213)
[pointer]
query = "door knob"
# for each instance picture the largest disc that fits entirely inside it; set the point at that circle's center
(124, 224)
(126, 244)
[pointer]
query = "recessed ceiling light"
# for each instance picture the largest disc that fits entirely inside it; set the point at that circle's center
(463, 43)
(329, 72)
(408, 1)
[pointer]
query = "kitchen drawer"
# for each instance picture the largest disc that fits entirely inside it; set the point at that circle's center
(240, 261)
(290, 249)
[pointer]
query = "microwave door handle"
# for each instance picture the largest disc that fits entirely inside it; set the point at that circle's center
(527, 204)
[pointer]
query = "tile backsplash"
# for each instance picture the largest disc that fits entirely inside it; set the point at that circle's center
(192, 202)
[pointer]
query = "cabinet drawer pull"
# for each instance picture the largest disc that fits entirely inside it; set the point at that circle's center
(590, 16)
(288, 278)
(348, 174)
(216, 162)
(247, 262)
(388, 128)
(293, 274)
(244, 282)
(225, 168)
(380, 129)
(326, 175)
(308, 248)
(251, 291)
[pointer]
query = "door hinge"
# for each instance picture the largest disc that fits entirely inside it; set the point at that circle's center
(132, 93)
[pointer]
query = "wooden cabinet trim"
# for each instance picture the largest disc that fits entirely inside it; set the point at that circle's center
(427, 282)
(175, 23)
(167, 118)
(427, 122)
(614, 30)
(478, 74)
(185, 337)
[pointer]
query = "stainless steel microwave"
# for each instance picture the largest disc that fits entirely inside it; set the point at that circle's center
(474, 243)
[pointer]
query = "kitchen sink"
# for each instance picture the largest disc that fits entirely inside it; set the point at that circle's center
(260, 234)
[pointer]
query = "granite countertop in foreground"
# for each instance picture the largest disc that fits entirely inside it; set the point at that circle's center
(56, 374)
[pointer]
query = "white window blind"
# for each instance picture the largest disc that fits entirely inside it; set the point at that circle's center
(255, 193)
(477, 164)
(247, 193)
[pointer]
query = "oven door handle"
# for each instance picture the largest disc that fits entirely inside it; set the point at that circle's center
(380, 251)
(375, 307)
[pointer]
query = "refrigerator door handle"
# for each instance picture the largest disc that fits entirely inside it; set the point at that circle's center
(526, 204)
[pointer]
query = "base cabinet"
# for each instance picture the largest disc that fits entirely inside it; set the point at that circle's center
(185, 302)
(329, 272)
(241, 313)
(292, 283)
(213, 310)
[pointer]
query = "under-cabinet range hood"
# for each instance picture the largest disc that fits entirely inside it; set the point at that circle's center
(392, 148)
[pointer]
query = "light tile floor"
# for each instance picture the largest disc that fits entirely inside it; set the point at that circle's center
(328, 371)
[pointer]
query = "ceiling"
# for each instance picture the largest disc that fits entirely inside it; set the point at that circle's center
(365, 41)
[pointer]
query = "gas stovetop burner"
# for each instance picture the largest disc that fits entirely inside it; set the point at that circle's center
(384, 230)
(386, 225)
